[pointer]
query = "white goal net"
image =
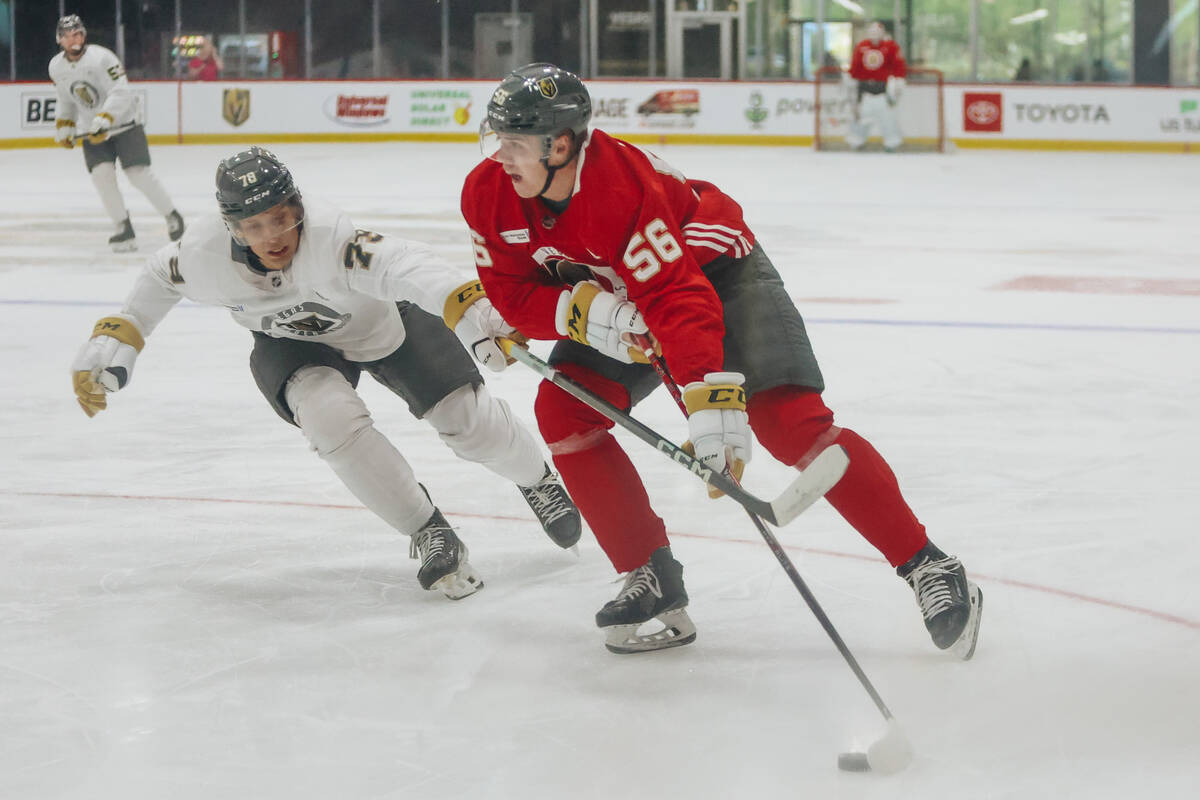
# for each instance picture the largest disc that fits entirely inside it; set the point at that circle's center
(920, 112)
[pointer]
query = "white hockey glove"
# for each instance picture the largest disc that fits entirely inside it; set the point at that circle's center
(64, 133)
(589, 315)
(99, 130)
(105, 362)
(718, 427)
(478, 325)
(895, 85)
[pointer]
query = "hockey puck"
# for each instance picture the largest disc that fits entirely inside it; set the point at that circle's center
(854, 762)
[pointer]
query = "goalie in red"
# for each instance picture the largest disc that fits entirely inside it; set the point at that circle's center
(587, 240)
(878, 68)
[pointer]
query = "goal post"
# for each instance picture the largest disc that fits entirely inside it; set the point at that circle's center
(920, 112)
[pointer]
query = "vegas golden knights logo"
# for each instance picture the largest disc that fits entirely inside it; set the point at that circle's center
(86, 93)
(235, 106)
(547, 87)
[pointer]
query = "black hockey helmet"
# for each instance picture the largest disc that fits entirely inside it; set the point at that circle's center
(67, 24)
(251, 182)
(540, 100)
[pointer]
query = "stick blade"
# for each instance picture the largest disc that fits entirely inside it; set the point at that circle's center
(815, 480)
(892, 752)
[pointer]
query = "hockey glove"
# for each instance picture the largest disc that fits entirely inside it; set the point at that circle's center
(895, 85)
(99, 130)
(105, 362)
(589, 315)
(478, 325)
(64, 133)
(718, 427)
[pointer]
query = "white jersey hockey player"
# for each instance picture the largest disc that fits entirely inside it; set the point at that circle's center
(94, 97)
(326, 302)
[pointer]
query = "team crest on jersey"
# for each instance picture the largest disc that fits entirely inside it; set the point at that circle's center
(235, 106)
(305, 320)
(85, 93)
(548, 88)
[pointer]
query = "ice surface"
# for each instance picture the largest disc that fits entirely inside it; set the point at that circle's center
(191, 606)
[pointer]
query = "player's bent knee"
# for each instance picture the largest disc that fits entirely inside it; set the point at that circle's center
(472, 423)
(561, 416)
(327, 408)
(791, 422)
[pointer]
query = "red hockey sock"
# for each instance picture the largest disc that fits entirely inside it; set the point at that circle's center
(794, 425)
(868, 497)
(610, 496)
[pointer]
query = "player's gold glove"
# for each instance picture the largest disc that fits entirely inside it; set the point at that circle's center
(99, 130)
(718, 427)
(105, 362)
(478, 325)
(590, 315)
(64, 133)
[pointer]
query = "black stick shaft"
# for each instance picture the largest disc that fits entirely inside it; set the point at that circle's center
(780, 555)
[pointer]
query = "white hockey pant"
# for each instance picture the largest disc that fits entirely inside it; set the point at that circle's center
(148, 184)
(874, 110)
(337, 424)
(480, 428)
(104, 178)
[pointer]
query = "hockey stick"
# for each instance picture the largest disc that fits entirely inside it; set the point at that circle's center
(892, 752)
(111, 132)
(820, 476)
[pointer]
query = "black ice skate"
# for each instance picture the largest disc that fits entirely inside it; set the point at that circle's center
(950, 603)
(175, 226)
(443, 556)
(554, 509)
(652, 591)
(124, 240)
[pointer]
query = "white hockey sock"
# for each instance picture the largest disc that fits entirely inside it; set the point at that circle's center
(337, 424)
(104, 178)
(148, 184)
(480, 428)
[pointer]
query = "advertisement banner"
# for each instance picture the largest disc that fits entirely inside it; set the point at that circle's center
(701, 112)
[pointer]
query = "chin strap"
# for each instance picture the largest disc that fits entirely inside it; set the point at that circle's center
(552, 171)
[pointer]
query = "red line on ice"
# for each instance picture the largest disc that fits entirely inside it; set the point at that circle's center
(1148, 612)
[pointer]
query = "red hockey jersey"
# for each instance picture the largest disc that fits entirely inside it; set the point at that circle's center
(877, 62)
(634, 224)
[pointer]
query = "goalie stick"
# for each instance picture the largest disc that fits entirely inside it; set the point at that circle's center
(891, 752)
(818, 478)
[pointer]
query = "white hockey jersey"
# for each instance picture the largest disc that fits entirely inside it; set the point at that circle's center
(95, 82)
(340, 289)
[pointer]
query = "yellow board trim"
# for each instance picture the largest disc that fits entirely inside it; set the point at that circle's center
(740, 140)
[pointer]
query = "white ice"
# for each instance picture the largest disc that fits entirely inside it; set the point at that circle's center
(191, 606)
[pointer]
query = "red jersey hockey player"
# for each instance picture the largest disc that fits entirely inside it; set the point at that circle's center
(587, 240)
(880, 71)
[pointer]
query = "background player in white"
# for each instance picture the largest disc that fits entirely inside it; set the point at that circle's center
(878, 67)
(94, 98)
(324, 303)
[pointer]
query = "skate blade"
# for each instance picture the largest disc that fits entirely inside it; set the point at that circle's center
(124, 247)
(964, 647)
(677, 631)
(457, 585)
